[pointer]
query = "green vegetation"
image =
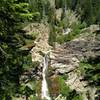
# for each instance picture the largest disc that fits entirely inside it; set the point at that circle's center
(52, 35)
(27, 89)
(12, 15)
(64, 89)
(71, 21)
(89, 11)
(58, 86)
(91, 72)
(67, 92)
(15, 44)
(27, 63)
(90, 69)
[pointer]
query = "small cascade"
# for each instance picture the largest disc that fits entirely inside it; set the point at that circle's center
(66, 31)
(45, 91)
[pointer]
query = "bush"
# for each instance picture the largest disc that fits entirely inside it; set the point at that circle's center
(91, 72)
(71, 20)
(64, 89)
(65, 76)
(52, 35)
(60, 39)
(65, 38)
(27, 62)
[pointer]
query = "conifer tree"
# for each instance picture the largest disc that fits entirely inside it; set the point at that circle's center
(12, 14)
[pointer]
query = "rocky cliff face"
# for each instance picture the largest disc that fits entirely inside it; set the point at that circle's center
(41, 43)
(66, 59)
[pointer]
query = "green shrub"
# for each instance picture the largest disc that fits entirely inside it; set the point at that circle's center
(52, 35)
(76, 29)
(64, 89)
(28, 89)
(84, 66)
(65, 76)
(34, 35)
(73, 95)
(27, 62)
(32, 97)
(64, 38)
(78, 97)
(60, 39)
(90, 72)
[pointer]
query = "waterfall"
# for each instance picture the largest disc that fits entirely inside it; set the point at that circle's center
(45, 91)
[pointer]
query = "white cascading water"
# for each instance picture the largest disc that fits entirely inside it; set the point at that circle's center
(45, 91)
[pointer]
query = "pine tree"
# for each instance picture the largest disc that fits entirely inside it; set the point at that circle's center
(12, 14)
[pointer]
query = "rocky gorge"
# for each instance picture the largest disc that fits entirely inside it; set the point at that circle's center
(65, 60)
(50, 50)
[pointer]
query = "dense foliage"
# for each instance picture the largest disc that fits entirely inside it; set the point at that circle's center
(89, 10)
(90, 69)
(12, 14)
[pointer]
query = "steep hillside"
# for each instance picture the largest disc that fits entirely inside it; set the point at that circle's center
(50, 50)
